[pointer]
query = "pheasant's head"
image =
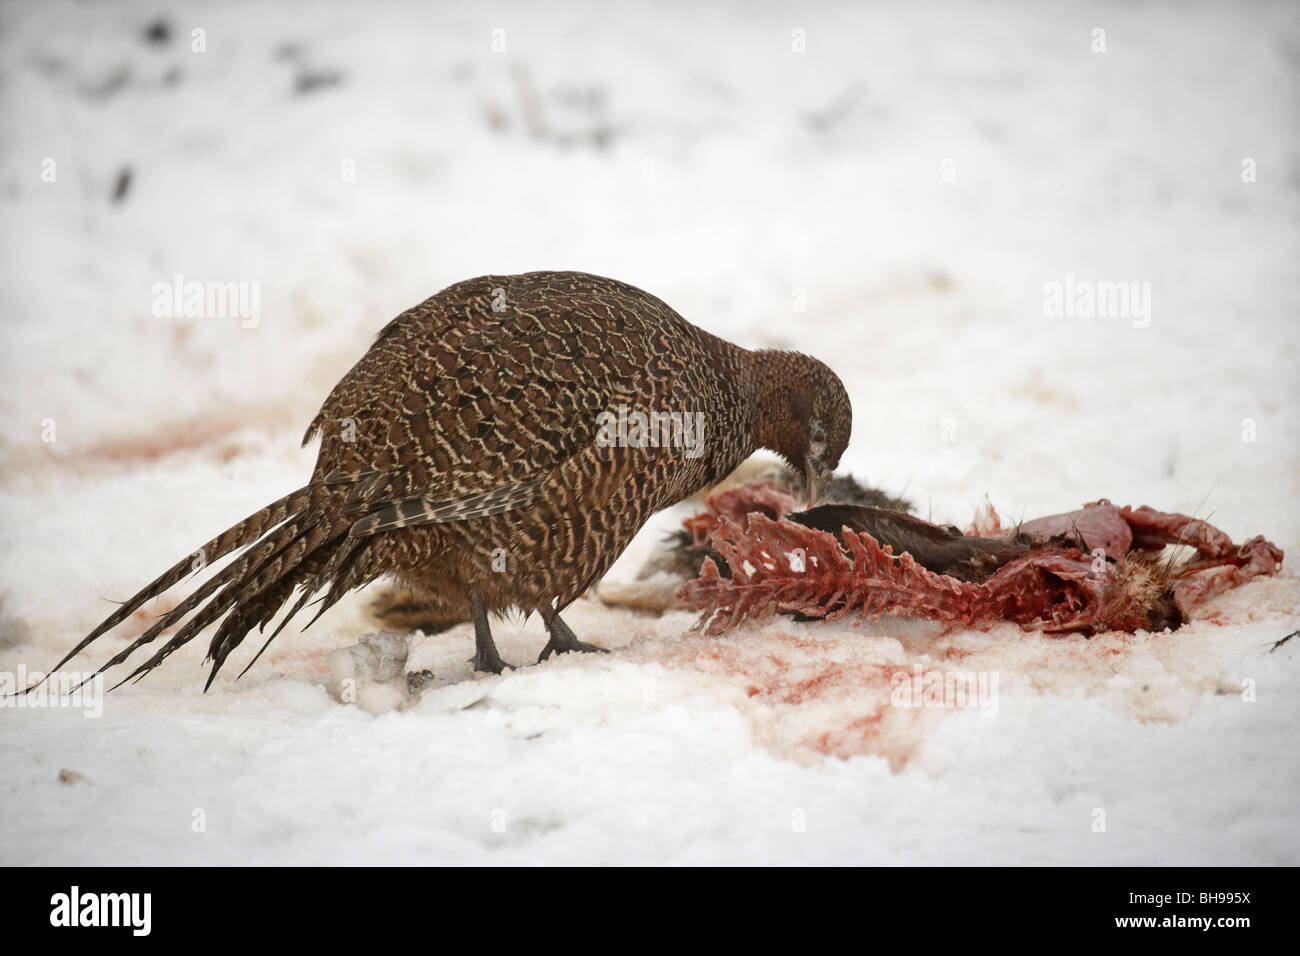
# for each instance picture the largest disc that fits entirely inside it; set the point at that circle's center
(804, 415)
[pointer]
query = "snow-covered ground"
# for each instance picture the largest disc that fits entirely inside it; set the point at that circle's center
(892, 188)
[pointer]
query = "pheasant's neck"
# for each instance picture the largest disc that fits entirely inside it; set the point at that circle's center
(770, 381)
(737, 435)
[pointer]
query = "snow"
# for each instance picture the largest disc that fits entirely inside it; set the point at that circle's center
(686, 149)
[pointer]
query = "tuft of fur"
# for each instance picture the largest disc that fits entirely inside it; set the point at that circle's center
(1137, 596)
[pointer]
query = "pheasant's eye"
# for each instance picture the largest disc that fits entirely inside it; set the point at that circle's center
(816, 440)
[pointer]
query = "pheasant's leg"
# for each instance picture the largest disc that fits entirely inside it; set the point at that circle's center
(562, 639)
(486, 657)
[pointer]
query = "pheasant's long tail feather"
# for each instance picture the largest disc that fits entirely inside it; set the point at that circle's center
(305, 555)
(345, 568)
(273, 559)
(238, 535)
(269, 535)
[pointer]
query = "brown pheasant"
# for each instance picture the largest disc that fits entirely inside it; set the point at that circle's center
(497, 448)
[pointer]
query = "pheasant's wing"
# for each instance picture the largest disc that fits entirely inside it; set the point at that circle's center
(487, 406)
(424, 510)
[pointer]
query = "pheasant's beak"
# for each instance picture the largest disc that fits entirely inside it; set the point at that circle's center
(816, 478)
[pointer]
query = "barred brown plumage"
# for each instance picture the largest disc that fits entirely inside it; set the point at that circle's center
(464, 455)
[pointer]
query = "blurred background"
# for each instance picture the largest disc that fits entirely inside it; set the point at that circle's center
(893, 188)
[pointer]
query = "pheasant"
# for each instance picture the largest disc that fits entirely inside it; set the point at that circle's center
(496, 449)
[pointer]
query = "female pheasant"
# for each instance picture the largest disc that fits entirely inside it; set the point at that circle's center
(497, 448)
